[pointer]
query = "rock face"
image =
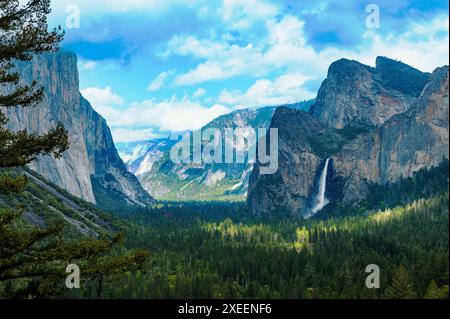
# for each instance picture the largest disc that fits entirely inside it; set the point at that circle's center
(355, 94)
(303, 142)
(375, 125)
(403, 145)
(206, 181)
(91, 165)
(140, 156)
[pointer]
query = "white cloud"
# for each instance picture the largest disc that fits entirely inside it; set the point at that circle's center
(285, 89)
(424, 46)
(168, 115)
(87, 65)
(189, 45)
(160, 80)
(241, 15)
(316, 9)
(102, 96)
(130, 135)
(285, 48)
(138, 120)
(200, 92)
(103, 100)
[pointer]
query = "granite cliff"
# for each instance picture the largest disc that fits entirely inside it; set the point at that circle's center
(375, 124)
(91, 169)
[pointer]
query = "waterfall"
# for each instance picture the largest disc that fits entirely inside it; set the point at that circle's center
(321, 201)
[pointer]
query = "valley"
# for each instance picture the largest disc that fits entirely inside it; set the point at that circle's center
(361, 178)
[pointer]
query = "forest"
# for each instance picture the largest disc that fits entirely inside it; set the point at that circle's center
(217, 250)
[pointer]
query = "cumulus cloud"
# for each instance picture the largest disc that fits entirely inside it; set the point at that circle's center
(200, 92)
(169, 115)
(87, 65)
(131, 135)
(425, 46)
(160, 80)
(286, 47)
(139, 120)
(102, 96)
(285, 89)
(104, 101)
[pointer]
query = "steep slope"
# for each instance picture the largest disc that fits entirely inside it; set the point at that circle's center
(171, 181)
(355, 94)
(91, 166)
(400, 139)
(403, 145)
(140, 156)
(303, 143)
(43, 203)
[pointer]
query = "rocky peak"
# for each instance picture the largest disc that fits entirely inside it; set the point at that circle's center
(405, 144)
(348, 70)
(402, 133)
(400, 76)
(355, 94)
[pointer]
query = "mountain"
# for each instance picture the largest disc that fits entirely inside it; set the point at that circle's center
(375, 125)
(301, 106)
(303, 142)
(140, 156)
(170, 181)
(91, 169)
(355, 94)
(402, 146)
(44, 203)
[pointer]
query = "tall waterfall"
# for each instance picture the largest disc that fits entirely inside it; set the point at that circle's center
(321, 200)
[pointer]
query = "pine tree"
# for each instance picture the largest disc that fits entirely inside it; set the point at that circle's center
(434, 292)
(401, 286)
(24, 32)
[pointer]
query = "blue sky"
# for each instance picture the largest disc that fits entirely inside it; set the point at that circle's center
(152, 66)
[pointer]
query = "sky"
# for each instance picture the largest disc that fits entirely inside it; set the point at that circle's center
(151, 67)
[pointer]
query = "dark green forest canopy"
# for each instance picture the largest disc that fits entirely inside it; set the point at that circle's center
(292, 258)
(219, 250)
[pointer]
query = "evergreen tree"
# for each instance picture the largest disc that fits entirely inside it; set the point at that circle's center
(24, 32)
(434, 292)
(401, 286)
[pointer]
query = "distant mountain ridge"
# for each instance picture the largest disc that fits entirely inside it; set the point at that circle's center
(163, 179)
(92, 165)
(139, 156)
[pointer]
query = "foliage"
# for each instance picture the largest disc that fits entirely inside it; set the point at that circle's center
(223, 253)
(24, 32)
(425, 183)
(401, 287)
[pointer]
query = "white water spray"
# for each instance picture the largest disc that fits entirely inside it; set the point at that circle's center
(321, 201)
